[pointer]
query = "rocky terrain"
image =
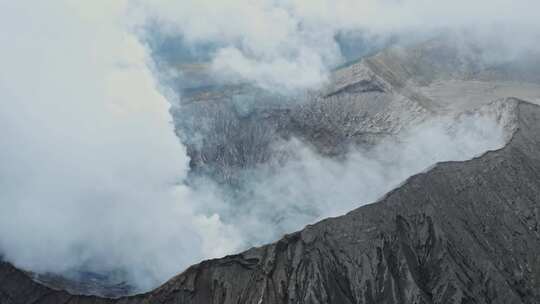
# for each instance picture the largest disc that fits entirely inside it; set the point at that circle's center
(105, 285)
(241, 137)
(231, 128)
(461, 232)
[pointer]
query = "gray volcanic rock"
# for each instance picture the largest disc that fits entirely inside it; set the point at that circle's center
(230, 129)
(462, 232)
(86, 283)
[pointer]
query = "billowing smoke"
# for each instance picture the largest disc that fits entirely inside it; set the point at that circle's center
(91, 172)
(92, 176)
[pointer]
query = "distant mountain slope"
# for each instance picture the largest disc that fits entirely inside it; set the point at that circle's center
(462, 232)
(237, 126)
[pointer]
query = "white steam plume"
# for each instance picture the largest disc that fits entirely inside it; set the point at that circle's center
(289, 45)
(91, 171)
(311, 187)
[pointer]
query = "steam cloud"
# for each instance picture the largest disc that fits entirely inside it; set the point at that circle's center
(91, 171)
(310, 187)
(265, 40)
(92, 174)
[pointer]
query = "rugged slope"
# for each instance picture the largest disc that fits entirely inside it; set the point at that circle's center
(237, 127)
(462, 232)
(233, 132)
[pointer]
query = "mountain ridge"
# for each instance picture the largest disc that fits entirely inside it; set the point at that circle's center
(400, 249)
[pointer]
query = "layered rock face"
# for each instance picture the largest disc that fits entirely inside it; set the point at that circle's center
(462, 232)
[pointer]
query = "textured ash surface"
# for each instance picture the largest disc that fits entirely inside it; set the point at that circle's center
(462, 232)
(230, 129)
